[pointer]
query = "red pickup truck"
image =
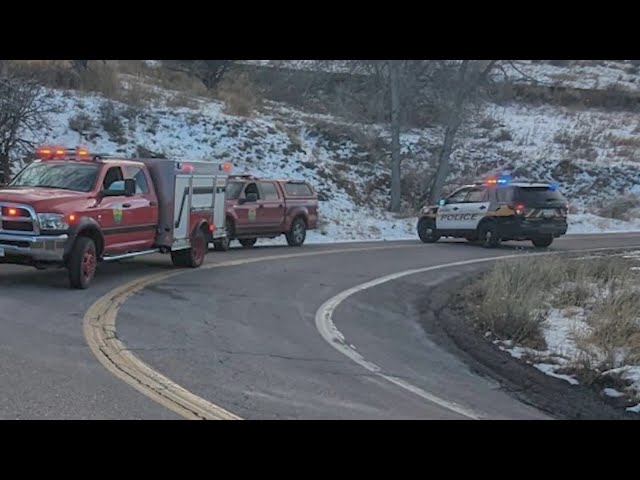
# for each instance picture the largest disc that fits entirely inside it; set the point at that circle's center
(74, 209)
(260, 208)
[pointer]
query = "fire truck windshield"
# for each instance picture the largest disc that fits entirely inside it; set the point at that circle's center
(79, 177)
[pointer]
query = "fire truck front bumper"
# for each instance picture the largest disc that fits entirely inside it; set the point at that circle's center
(28, 250)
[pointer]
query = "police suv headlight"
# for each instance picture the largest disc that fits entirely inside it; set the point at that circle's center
(52, 221)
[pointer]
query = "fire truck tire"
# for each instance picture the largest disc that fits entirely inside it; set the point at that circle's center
(223, 244)
(191, 257)
(248, 242)
(297, 233)
(82, 263)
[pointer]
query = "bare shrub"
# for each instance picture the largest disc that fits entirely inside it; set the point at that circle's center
(239, 96)
(509, 300)
(81, 123)
(621, 208)
(111, 122)
(182, 100)
(615, 324)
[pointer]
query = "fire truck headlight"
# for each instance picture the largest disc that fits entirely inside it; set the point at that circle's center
(52, 221)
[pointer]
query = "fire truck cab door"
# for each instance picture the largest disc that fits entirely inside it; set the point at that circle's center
(141, 209)
(113, 216)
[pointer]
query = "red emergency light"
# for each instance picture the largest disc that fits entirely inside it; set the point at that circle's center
(49, 152)
(226, 167)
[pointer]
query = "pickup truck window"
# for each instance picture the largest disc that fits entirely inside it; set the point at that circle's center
(269, 191)
(137, 173)
(298, 190)
(234, 189)
(76, 176)
(114, 174)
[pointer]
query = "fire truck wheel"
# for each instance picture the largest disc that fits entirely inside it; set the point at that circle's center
(82, 263)
(192, 257)
(248, 242)
(298, 233)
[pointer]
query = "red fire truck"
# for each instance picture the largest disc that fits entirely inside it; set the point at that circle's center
(73, 209)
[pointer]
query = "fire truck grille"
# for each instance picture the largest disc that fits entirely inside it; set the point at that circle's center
(16, 219)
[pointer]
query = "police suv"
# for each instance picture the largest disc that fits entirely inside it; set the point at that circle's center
(497, 210)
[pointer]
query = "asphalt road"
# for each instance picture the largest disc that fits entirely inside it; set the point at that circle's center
(244, 337)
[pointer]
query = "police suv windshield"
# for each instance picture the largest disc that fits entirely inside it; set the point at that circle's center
(79, 177)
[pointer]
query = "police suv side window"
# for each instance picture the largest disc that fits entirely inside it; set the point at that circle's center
(459, 196)
(477, 195)
(505, 195)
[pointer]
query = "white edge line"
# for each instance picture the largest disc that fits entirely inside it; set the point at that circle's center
(335, 338)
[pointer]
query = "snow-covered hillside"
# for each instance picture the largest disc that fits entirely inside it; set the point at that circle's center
(593, 154)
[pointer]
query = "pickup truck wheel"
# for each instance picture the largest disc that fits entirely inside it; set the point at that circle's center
(221, 244)
(248, 242)
(191, 257)
(297, 234)
(82, 263)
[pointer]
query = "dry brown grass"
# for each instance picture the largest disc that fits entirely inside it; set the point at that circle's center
(513, 299)
(621, 208)
(509, 303)
(239, 96)
(618, 141)
(182, 100)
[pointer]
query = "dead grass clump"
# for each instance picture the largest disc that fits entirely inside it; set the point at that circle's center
(509, 302)
(111, 122)
(621, 208)
(81, 123)
(615, 328)
(239, 95)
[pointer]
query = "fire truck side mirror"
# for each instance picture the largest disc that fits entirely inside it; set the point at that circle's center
(121, 187)
(129, 187)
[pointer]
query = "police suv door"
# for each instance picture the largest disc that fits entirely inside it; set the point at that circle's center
(474, 208)
(448, 217)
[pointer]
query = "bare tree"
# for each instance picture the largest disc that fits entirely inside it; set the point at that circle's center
(471, 77)
(394, 87)
(24, 109)
(210, 72)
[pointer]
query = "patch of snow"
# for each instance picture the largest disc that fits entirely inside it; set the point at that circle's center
(612, 392)
(635, 409)
(560, 332)
(550, 369)
(586, 223)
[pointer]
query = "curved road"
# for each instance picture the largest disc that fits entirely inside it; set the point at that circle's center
(244, 337)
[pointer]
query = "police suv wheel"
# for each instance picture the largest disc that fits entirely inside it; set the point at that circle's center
(489, 235)
(427, 231)
(543, 241)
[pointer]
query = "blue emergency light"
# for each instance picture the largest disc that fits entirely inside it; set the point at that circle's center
(554, 186)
